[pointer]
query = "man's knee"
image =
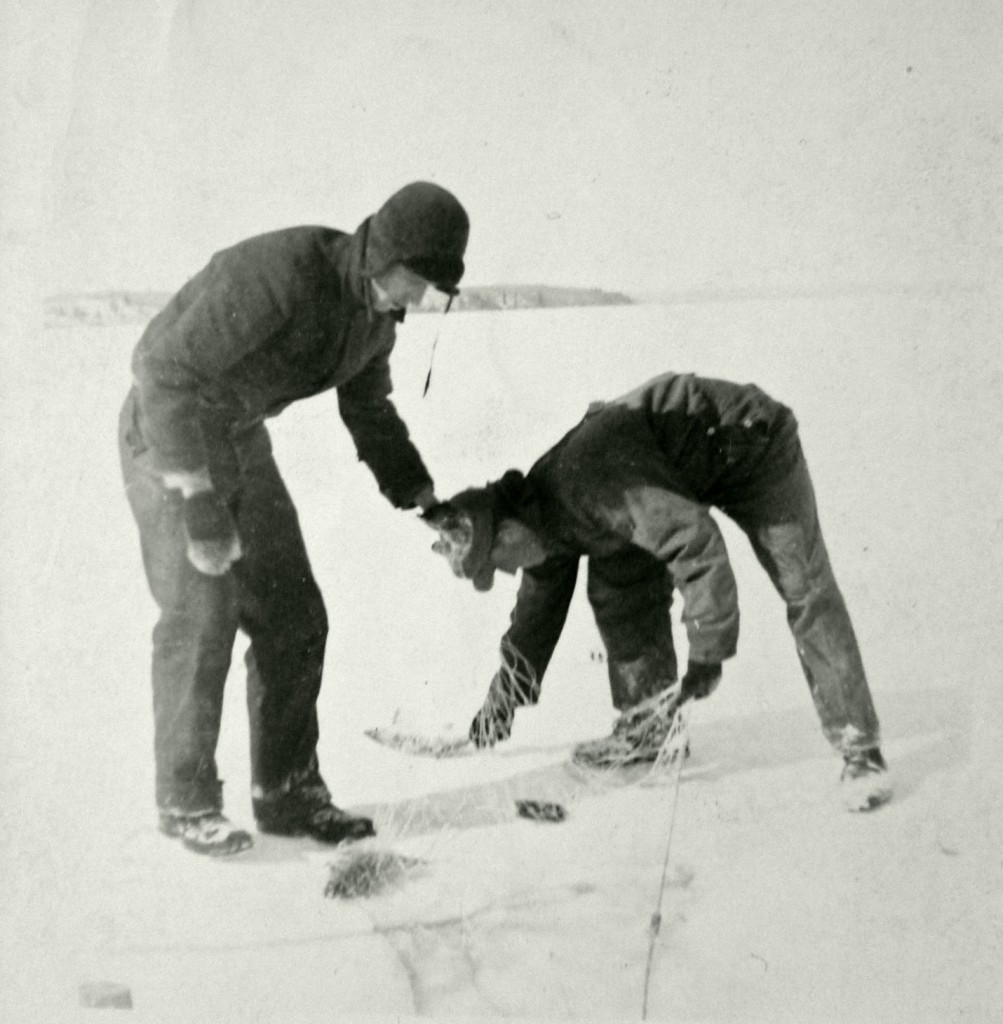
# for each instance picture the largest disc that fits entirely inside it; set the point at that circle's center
(205, 618)
(784, 550)
(311, 621)
(300, 625)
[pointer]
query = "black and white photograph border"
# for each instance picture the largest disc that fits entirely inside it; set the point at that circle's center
(804, 197)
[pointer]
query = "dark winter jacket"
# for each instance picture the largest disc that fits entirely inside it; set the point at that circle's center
(280, 317)
(643, 471)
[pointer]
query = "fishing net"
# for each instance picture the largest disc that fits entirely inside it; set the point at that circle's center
(443, 895)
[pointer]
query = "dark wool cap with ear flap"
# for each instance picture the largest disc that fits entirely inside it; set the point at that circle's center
(511, 493)
(477, 505)
(424, 227)
(485, 507)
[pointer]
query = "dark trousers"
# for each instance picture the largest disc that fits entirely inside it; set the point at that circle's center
(631, 594)
(775, 507)
(781, 521)
(270, 594)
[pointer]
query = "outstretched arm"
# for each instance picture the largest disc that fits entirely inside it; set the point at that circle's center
(381, 436)
(541, 609)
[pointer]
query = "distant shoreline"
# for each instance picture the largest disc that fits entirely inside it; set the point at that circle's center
(139, 306)
(68, 309)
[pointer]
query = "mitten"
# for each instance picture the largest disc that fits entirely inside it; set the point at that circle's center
(493, 722)
(213, 544)
(700, 680)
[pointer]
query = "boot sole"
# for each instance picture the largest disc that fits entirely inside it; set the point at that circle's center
(350, 833)
(235, 843)
(230, 848)
(868, 801)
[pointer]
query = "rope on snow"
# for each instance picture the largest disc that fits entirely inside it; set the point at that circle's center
(674, 749)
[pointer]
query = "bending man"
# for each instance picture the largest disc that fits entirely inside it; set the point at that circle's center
(630, 487)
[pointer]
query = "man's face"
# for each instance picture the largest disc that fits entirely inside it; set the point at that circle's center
(397, 288)
(516, 547)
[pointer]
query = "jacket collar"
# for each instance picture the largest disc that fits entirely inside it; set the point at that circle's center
(350, 261)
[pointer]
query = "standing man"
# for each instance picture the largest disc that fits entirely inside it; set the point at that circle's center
(630, 487)
(274, 319)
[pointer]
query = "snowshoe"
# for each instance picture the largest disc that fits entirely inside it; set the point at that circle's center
(865, 781)
(209, 832)
(637, 737)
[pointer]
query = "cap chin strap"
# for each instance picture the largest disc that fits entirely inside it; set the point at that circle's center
(431, 358)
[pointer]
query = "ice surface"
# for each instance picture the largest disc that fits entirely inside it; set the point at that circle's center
(779, 906)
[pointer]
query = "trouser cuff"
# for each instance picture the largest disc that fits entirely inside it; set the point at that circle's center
(193, 799)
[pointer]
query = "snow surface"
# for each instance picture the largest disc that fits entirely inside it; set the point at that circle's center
(778, 905)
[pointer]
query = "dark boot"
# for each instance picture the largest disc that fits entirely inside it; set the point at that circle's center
(638, 734)
(308, 811)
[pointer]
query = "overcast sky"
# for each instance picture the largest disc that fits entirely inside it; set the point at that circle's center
(631, 144)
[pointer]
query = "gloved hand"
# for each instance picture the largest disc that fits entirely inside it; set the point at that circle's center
(425, 499)
(700, 680)
(493, 723)
(213, 544)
